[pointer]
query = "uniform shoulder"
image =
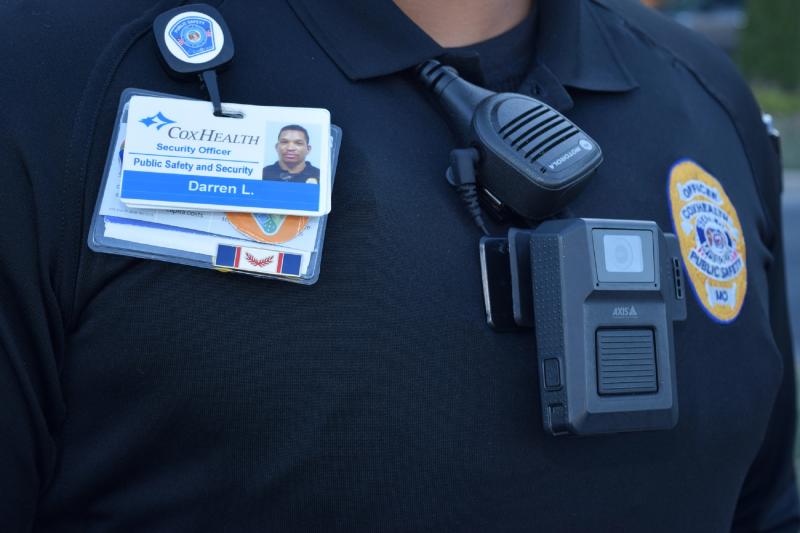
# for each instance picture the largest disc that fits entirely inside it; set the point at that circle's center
(51, 47)
(691, 48)
(715, 71)
(48, 22)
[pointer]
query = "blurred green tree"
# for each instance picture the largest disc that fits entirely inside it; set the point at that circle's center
(770, 46)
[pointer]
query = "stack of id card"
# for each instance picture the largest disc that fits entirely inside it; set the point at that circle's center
(246, 194)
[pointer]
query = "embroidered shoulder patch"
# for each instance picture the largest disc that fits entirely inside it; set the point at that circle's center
(711, 239)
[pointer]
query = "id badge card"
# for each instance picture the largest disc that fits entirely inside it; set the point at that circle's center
(272, 245)
(179, 155)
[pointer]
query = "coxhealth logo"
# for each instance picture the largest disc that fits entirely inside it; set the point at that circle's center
(193, 34)
(159, 120)
(711, 240)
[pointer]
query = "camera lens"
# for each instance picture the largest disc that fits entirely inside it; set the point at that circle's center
(623, 253)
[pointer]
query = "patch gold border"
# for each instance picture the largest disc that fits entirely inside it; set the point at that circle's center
(718, 271)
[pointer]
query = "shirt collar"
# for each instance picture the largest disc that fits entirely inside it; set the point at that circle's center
(372, 39)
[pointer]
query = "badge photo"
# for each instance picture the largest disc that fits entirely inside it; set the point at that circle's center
(711, 239)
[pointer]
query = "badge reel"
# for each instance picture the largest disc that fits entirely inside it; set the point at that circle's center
(195, 39)
(262, 230)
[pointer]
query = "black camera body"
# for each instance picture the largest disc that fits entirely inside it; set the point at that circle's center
(602, 296)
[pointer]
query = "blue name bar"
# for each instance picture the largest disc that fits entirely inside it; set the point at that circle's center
(140, 185)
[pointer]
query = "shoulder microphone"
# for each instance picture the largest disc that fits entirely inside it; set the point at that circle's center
(531, 158)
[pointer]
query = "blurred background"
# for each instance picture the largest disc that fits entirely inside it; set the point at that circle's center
(763, 38)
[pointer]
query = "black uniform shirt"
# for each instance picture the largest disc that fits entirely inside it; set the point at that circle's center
(275, 172)
(144, 396)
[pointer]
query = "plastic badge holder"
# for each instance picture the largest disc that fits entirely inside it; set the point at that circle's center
(228, 251)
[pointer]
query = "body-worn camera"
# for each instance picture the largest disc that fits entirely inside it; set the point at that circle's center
(602, 296)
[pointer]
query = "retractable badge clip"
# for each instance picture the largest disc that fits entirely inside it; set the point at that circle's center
(194, 39)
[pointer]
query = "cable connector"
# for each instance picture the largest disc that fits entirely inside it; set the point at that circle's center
(461, 175)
